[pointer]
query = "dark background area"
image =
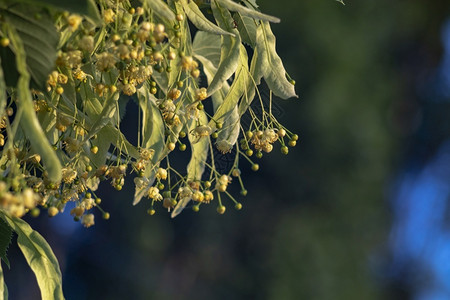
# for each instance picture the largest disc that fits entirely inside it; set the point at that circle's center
(316, 223)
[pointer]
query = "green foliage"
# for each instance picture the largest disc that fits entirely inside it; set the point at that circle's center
(39, 38)
(39, 256)
(70, 75)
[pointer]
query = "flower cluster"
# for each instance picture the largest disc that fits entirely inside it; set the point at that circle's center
(137, 53)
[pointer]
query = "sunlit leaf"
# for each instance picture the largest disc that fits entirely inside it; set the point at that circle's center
(40, 257)
(229, 56)
(152, 136)
(236, 91)
(207, 45)
(247, 29)
(161, 8)
(196, 166)
(233, 6)
(272, 66)
(196, 16)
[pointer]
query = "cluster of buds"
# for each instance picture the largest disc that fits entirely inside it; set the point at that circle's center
(17, 204)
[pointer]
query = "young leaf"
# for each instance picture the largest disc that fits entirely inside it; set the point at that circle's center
(5, 240)
(233, 6)
(40, 257)
(272, 66)
(196, 16)
(161, 8)
(29, 121)
(229, 55)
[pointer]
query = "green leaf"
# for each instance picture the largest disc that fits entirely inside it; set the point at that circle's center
(196, 166)
(233, 6)
(255, 79)
(3, 287)
(39, 38)
(196, 16)
(236, 91)
(152, 136)
(230, 130)
(207, 45)
(229, 56)
(272, 66)
(82, 7)
(152, 122)
(40, 257)
(29, 121)
(103, 144)
(5, 240)
(105, 117)
(160, 8)
(247, 29)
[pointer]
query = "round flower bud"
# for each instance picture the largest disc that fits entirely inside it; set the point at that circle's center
(221, 209)
(171, 146)
(52, 211)
(179, 17)
(236, 172)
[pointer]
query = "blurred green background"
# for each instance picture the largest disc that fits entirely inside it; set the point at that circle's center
(315, 223)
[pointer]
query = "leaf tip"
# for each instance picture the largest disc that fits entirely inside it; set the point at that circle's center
(136, 201)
